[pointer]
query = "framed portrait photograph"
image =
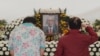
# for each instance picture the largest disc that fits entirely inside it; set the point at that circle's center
(50, 24)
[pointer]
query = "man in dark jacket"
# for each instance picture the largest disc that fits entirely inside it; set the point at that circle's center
(76, 43)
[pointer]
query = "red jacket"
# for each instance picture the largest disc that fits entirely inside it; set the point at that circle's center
(76, 43)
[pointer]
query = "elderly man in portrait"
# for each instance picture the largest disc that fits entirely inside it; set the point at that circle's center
(51, 27)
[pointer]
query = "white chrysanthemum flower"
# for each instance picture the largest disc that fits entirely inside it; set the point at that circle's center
(51, 54)
(91, 53)
(6, 53)
(94, 49)
(1, 52)
(4, 48)
(51, 45)
(48, 49)
(53, 49)
(1, 45)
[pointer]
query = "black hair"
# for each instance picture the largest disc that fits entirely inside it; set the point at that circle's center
(29, 20)
(75, 23)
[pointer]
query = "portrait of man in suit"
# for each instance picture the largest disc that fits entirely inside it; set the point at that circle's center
(51, 25)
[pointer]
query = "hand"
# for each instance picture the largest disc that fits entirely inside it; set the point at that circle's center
(85, 25)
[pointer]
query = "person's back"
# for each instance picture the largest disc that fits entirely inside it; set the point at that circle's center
(76, 43)
(26, 40)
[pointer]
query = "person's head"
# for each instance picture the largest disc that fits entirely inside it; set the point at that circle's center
(29, 20)
(75, 23)
(50, 21)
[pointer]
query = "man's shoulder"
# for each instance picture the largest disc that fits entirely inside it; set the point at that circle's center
(40, 30)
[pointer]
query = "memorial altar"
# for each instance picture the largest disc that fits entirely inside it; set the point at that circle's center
(45, 17)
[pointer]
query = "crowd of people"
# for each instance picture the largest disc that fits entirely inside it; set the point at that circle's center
(28, 40)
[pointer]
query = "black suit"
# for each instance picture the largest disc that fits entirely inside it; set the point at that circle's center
(54, 29)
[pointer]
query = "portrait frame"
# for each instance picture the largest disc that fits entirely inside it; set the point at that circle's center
(50, 21)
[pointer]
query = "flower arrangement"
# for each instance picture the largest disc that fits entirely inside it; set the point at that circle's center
(63, 26)
(63, 23)
(37, 17)
(62, 15)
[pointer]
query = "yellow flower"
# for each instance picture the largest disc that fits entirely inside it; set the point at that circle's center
(63, 15)
(63, 22)
(65, 25)
(65, 31)
(38, 14)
